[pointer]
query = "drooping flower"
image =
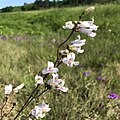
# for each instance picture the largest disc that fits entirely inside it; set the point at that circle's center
(113, 95)
(68, 25)
(38, 80)
(40, 110)
(50, 68)
(8, 89)
(87, 27)
(90, 9)
(18, 88)
(69, 60)
(57, 84)
(76, 45)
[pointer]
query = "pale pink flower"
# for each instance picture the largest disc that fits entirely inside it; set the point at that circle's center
(50, 68)
(76, 45)
(69, 60)
(57, 84)
(40, 110)
(87, 27)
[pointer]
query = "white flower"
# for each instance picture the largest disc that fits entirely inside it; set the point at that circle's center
(69, 60)
(64, 52)
(76, 45)
(90, 9)
(8, 89)
(87, 27)
(44, 107)
(68, 25)
(55, 81)
(76, 48)
(57, 84)
(38, 80)
(40, 110)
(50, 68)
(62, 88)
(18, 88)
(78, 41)
(37, 112)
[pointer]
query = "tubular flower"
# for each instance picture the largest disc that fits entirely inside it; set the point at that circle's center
(69, 25)
(76, 45)
(18, 88)
(69, 60)
(37, 112)
(50, 68)
(8, 89)
(38, 80)
(57, 84)
(87, 27)
(40, 110)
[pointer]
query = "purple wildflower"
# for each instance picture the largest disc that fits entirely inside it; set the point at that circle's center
(3, 37)
(99, 78)
(113, 95)
(86, 73)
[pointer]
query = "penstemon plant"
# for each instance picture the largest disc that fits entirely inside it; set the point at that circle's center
(66, 56)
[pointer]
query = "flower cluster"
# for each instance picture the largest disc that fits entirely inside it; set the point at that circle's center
(67, 57)
(55, 83)
(86, 27)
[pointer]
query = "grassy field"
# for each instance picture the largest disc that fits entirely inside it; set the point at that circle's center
(29, 39)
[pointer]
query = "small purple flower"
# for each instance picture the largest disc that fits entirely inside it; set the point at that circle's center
(99, 78)
(86, 73)
(3, 37)
(113, 95)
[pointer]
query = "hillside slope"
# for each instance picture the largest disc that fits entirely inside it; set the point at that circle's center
(29, 39)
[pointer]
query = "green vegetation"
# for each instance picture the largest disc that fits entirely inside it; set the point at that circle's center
(45, 4)
(29, 40)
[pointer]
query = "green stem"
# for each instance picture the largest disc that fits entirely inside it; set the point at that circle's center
(64, 42)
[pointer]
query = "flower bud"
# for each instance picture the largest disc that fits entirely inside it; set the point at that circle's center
(90, 9)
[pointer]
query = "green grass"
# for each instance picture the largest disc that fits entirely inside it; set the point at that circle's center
(21, 58)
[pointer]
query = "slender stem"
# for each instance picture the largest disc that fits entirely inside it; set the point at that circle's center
(80, 17)
(68, 36)
(3, 107)
(36, 97)
(30, 97)
(26, 102)
(64, 42)
(9, 111)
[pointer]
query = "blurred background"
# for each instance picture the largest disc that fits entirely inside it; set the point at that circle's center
(30, 33)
